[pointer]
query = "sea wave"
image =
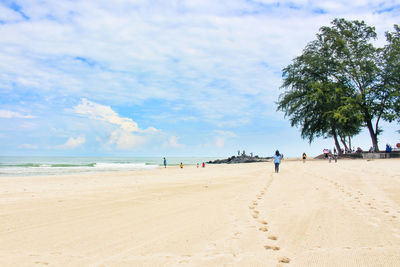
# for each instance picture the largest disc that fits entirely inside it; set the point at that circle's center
(46, 165)
(62, 168)
(113, 166)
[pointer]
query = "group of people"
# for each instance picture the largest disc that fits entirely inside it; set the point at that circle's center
(203, 165)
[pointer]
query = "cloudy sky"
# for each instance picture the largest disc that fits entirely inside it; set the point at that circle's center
(160, 77)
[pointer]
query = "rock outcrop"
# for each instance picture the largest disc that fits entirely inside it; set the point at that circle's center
(240, 159)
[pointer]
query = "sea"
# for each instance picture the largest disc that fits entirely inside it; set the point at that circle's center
(31, 166)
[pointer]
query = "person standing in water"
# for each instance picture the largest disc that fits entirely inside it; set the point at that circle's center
(277, 160)
(165, 163)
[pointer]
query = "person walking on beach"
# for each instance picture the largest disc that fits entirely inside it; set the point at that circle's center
(165, 163)
(181, 165)
(335, 156)
(277, 160)
(204, 165)
(304, 157)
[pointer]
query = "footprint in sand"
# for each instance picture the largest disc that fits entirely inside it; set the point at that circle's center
(41, 262)
(272, 247)
(386, 211)
(284, 260)
(263, 222)
(263, 228)
(186, 256)
(272, 237)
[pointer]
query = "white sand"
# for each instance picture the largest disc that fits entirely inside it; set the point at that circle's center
(321, 214)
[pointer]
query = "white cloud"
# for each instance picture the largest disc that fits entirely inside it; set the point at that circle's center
(173, 142)
(125, 140)
(7, 14)
(222, 136)
(73, 143)
(126, 136)
(28, 146)
(219, 141)
(8, 114)
(105, 113)
(225, 133)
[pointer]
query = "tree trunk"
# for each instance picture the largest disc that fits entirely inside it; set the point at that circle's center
(349, 142)
(343, 140)
(339, 150)
(374, 136)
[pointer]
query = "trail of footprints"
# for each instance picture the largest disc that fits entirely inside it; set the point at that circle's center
(368, 204)
(359, 197)
(263, 227)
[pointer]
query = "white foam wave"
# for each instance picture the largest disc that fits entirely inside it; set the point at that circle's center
(124, 166)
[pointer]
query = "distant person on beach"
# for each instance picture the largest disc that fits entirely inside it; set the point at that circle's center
(165, 163)
(197, 165)
(277, 160)
(204, 165)
(304, 157)
(335, 156)
(388, 148)
(181, 165)
(330, 157)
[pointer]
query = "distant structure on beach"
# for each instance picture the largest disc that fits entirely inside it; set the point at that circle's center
(241, 159)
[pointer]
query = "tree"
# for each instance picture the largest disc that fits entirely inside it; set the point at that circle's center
(356, 81)
(314, 96)
(391, 72)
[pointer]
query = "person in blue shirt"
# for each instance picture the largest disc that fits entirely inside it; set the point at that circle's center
(277, 160)
(165, 163)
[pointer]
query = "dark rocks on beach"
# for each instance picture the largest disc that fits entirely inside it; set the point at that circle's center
(240, 159)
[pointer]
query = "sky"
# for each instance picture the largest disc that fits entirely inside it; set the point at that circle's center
(160, 77)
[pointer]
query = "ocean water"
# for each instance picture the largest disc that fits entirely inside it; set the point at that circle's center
(28, 166)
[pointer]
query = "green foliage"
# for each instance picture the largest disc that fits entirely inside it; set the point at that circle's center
(342, 82)
(390, 63)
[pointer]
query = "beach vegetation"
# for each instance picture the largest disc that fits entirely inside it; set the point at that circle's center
(342, 83)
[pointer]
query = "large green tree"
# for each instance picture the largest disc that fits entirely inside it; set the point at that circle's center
(314, 98)
(390, 62)
(353, 79)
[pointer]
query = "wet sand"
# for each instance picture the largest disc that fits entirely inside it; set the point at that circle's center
(310, 214)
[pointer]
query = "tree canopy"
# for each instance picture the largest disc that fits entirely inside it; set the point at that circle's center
(341, 83)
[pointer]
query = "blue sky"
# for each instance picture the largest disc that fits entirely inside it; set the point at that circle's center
(155, 78)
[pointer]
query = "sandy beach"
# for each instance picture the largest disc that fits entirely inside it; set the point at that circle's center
(309, 214)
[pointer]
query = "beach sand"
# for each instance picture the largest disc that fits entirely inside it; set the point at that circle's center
(309, 214)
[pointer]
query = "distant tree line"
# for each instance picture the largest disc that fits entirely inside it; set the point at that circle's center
(342, 83)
